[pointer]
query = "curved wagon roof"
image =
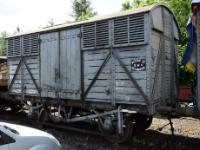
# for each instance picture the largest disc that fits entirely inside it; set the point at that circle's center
(145, 9)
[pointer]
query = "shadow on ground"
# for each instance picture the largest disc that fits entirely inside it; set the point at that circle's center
(149, 140)
(154, 140)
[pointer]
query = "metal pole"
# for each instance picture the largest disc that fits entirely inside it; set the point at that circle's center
(120, 121)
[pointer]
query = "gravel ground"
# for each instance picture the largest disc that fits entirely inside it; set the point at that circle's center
(186, 136)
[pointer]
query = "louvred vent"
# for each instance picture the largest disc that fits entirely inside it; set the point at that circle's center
(129, 30)
(30, 44)
(95, 34)
(14, 47)
(136, 28)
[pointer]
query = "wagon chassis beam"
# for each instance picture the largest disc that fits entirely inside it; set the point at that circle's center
(117, 111)
(89, 117)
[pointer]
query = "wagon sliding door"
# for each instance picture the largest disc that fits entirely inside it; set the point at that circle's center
(49, 64)
(70, 72)
(60, 64)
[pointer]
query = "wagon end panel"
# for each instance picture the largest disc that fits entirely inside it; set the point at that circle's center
(164, 35)
(156, 67)
(170, 59)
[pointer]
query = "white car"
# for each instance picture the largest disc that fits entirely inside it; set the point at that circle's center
(17, 137)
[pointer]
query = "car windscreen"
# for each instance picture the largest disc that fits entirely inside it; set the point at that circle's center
(11, 130)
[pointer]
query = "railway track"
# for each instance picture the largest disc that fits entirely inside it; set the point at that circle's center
(91, 139)
(9, 116)
(71, 128)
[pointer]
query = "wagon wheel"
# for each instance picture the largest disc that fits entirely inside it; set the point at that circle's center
(16, 108)
(43, 116)
(142, 122)
(113, 136)
(3, 108)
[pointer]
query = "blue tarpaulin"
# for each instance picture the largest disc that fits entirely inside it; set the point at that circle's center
(190, 30)
(189, 58)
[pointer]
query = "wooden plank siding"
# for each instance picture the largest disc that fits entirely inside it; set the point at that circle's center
(65, 61)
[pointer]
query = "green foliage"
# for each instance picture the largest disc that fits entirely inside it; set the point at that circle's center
(126, 5)
(131, 4)
(186, 78)
(82, 10)
(182, 10)
(3, 35)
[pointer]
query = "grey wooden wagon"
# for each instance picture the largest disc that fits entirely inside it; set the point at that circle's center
(117, 68)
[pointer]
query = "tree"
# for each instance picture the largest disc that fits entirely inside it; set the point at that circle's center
(126, 5)
(3, 36)
(51, 22)
(82, 10)
(131, 4)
